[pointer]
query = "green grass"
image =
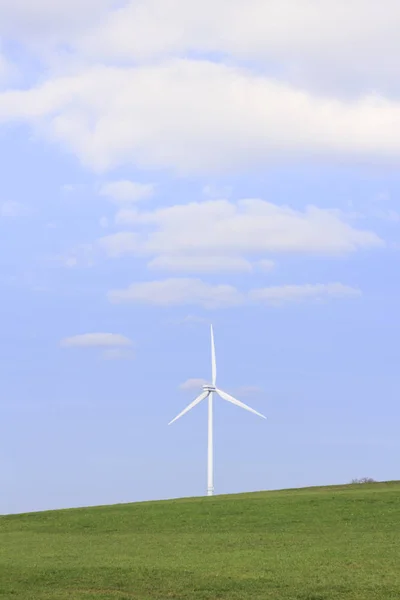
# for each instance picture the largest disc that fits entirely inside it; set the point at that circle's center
(311, 544)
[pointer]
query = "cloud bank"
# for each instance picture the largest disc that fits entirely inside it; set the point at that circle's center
(195, 292)
(96, 340)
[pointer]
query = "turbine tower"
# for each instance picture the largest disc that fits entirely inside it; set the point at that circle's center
(209, 390)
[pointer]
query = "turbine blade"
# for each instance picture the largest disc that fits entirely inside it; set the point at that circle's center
(213, 361)
(202, 396)
(233, 400)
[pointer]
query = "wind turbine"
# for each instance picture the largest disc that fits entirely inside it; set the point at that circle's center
(209, 389)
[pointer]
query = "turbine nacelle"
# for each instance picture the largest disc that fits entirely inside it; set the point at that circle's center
(208, 387)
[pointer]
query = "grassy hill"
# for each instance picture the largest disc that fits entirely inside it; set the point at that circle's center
(310, 544)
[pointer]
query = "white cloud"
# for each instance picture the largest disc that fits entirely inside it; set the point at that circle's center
(189, 320)
(83, 255)
(48, 22)
(96, 340)
(74, 188)
(118, 244)
(196, 116)
(212, 191)
(190, 291)
(220, 228)
(13, 209)
(276, 295)
(68, 188)
(125, 191)
(200, 264)
(225, 236)
(170, 292)
(382, 196)
(192, 384)
(266, 265)
(69, 261)
(329, 43)
(118, 354)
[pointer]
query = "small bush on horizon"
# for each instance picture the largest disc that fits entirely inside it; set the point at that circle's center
(363, 480)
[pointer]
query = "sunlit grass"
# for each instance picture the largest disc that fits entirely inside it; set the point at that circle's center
(312, 544)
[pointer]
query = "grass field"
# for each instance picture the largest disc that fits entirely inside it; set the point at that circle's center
(311, 544)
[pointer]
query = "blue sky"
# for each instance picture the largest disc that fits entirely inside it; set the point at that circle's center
(164, 170)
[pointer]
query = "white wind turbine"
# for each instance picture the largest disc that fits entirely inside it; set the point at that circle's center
(208, 391)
